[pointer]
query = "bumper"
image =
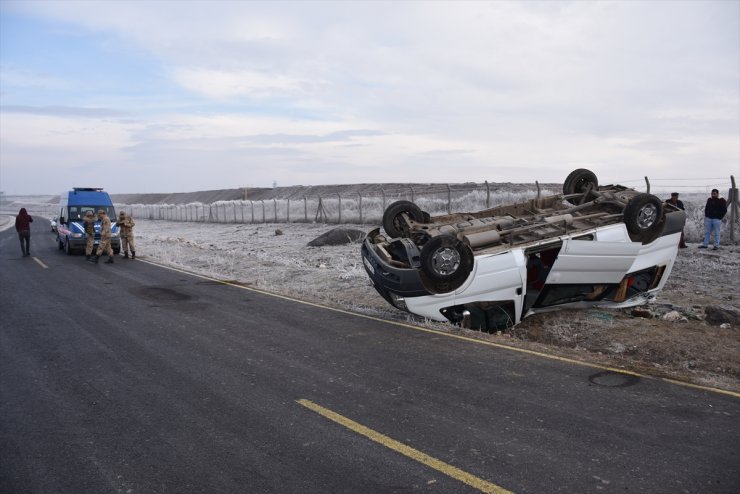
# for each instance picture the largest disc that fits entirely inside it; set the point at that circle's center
(81, 243)
(391, 282)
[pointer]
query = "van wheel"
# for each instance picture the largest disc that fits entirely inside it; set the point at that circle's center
(446, 261)
(578, 182)
(643, 217)
(393, 219)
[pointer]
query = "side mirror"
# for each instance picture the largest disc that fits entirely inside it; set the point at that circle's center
(61, 220)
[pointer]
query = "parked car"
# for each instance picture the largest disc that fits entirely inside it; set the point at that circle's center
(606, 246)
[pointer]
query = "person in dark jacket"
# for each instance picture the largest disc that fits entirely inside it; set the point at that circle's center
(714, 211)
(23, 226)
(675, 201)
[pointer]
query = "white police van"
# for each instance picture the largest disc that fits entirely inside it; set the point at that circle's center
(73, 206)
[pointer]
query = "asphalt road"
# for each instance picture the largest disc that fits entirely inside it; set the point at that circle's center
(135, 378)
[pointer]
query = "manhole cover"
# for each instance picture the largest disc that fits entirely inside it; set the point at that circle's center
(613, 379)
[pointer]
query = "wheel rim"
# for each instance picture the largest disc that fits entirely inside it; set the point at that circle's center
(647, 216)
(446, 261)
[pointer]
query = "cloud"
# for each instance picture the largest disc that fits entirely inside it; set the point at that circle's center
(63, 111)
(387, 91)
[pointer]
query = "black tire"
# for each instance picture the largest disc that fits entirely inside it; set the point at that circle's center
(643, 217)
(446, 261)
(578, 182)
(392, 219)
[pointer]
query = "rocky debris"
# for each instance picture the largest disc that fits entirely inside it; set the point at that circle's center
(673, 316)
(642, 312)
(721, 314)
(725, 325)
(338, 236)
(278, 232)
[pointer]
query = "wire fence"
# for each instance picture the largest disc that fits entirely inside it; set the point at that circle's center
(358, 208)
(366, 207)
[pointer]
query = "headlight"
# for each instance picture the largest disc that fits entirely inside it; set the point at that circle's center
(76, 235)
(398, 301)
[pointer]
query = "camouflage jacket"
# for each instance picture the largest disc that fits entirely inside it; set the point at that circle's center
(126, 226)
(105, 228)
(90, 226)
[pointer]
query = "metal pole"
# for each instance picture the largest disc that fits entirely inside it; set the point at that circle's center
(382, 192)
(449, 199)
(648, 184)
(340, 207)
(274, 205)
(264, 218)
(360, 194)
(305, 207)
(288, 214)
(488, 195)
(733, 208)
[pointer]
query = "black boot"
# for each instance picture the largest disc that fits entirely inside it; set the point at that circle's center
(87, 257)
(125, 255)
(133, 255)
(93, 259)
(110, 260)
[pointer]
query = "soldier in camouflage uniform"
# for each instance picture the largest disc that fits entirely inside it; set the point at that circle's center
(105, 235)
(89, 234)
(126, 229)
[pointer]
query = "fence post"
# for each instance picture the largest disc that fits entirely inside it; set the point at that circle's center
(251, 207)
(360, 194)
(733, 208)
(340, 207)
(305, 207)
(538, 192)
(274, 205)
(449, 199)
(413, 196)
(648, 184)
(234, 206)
(288, 213)
(264, 218)
(488, 195)
(382, 193)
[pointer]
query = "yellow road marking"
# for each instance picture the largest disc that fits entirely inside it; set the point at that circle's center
(456, 336)
(40, 263)
(414, 454)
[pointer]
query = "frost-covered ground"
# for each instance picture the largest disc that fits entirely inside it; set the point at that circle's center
(259, 256)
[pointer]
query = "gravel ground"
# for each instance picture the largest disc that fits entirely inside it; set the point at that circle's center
(276, 258)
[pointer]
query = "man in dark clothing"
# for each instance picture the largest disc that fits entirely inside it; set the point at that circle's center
(23, 226)
(714, 211)
(675, 201)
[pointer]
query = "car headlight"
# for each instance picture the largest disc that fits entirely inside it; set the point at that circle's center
(76, 235)
(398, 301)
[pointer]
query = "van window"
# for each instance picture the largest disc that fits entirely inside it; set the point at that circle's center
(77, 213)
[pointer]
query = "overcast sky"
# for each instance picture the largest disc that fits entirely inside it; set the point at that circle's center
(174, 96)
